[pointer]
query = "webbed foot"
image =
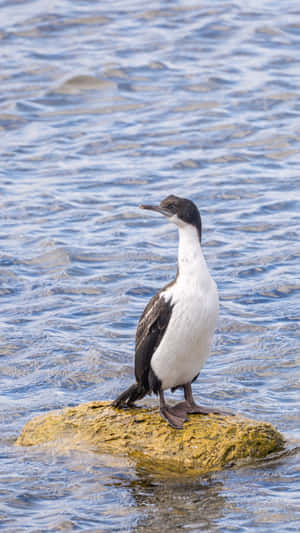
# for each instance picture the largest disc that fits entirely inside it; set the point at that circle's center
(174, 417)
(192, 408)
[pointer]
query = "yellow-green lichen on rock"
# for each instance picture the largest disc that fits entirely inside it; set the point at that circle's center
(205, 444)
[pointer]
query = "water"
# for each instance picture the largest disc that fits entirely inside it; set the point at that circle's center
(105, 105)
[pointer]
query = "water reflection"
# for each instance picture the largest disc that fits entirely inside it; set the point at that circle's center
(173, 504)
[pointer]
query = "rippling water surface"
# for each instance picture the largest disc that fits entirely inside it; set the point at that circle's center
(105, 105)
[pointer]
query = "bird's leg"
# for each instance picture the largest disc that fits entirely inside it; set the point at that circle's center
(192, 408)
(170, 414)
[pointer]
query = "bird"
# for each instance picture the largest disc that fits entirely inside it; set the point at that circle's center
(175, 331)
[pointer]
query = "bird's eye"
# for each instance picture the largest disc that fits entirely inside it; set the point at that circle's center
(171, 207)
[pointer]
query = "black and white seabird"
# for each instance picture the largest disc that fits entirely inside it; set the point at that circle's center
(175, 331)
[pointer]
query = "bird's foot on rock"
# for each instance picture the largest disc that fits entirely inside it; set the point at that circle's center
(193, 409)
(174, 417)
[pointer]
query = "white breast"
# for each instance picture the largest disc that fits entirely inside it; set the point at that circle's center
(187, 341)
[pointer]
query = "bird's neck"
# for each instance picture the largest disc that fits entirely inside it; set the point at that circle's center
(191, 261)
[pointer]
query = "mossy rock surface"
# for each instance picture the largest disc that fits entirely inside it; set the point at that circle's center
(205, 444)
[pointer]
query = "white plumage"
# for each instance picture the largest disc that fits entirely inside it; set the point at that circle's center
(187, 340)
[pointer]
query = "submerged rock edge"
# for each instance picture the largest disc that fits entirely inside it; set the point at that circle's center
(205, 444)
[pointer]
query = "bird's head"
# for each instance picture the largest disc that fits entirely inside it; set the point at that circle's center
(180, 211)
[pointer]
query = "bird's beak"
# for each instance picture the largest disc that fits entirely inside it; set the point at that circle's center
(157, 208)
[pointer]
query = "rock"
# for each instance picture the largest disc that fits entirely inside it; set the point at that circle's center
(205, 444)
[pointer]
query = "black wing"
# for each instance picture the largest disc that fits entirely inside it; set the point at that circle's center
(151, 328)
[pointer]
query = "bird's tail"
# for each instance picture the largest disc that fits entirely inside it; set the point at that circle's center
(129, 396)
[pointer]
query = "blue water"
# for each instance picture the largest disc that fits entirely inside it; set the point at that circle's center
(105, 105)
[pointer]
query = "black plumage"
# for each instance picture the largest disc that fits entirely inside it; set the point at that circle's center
(151, 328)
